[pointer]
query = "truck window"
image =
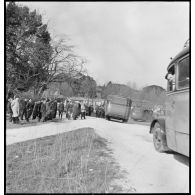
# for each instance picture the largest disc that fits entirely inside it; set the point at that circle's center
(183, 73)
(171, 79)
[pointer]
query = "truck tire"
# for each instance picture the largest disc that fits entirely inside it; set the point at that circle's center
(159, 139)
(108, 118)
(146, 115)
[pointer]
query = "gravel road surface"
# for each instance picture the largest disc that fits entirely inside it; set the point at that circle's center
(147, 171)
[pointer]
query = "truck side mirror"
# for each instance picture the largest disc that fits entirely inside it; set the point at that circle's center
(166, 76)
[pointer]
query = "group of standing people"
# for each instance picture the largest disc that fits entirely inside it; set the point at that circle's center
(19, 109)
(43, 109)
(76, 109)
(46, 109)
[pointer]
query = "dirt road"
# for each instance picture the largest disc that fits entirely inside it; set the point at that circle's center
(147, 170)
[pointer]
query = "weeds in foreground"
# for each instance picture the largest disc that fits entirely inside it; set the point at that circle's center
(72, 162)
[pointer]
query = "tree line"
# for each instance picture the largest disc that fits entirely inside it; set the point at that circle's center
(33, 58)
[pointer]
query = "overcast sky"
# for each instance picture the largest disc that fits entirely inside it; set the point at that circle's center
(123, 41)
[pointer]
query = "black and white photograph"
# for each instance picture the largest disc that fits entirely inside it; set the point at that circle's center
(97, 97)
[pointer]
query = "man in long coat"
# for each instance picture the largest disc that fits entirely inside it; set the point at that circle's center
(61, 109)
(29, 108)
(9, 109)
(83, 110)
(37, 110)
(54, 108)
(75, 112)
(15, 109)
(43, 110)
(23, 111)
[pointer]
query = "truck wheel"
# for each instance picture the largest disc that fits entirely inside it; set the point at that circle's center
(159, 139)
(145, 115)
(108, 118)
(125, 120)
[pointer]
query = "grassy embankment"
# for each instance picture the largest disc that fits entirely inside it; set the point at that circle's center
(76, 162)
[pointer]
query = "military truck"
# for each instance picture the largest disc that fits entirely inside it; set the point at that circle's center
(117, 107)
(172, 131)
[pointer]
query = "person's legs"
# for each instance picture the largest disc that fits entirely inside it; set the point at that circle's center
(22, 114)
(14, 120)
(68, 115)
(39, 116)
(54, 113)
(17, 120)
(27, 116)
(82, 115)
(10, 117)
(43, 117)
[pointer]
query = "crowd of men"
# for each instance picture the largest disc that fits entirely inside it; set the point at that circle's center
(46, 109)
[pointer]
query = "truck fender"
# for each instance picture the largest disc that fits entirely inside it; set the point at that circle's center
(160, 121)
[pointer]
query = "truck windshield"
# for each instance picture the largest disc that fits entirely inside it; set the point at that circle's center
(118, 100)
(183, 73)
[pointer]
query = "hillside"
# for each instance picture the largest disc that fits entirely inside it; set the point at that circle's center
(119, 89)
(152, 93)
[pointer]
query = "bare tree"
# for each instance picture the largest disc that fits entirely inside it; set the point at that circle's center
(64, 64)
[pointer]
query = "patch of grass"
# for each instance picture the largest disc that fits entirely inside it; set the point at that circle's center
(74, 162)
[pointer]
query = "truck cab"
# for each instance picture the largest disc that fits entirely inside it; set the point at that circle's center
(171, 132)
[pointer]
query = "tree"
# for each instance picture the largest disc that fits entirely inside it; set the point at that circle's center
(84, 85)
(63, 62)
(28, 47)
(33, 59)
(88, 87)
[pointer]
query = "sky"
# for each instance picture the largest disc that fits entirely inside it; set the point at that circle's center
(122, 41)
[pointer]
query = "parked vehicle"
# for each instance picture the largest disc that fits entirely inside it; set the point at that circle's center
(117, 107)
(142, 110)
(172, 131)
(139, 113)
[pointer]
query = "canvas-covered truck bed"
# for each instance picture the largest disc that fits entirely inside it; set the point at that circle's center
(117, 107)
